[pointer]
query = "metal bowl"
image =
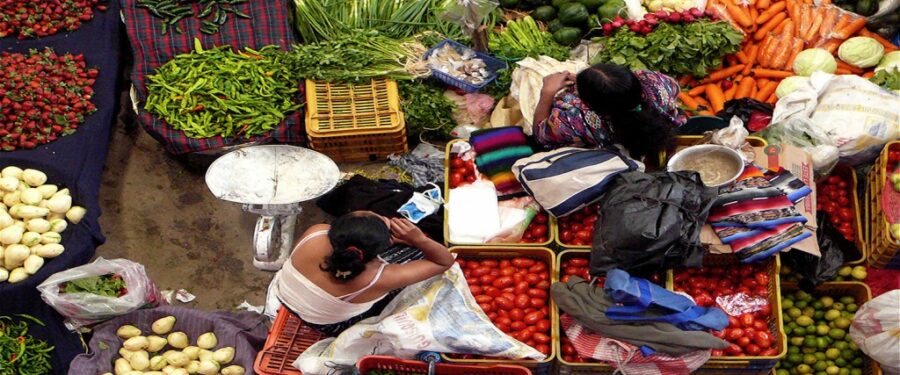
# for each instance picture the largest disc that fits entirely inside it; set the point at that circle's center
(732, 155)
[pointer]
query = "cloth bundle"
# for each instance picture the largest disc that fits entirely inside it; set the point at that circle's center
(497, 150)
(756, 215)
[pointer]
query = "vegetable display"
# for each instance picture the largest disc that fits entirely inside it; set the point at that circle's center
(167, 352)
(817, 335)
(357, 57)
(578, 228)
(43, 96)
(651, 20)
(27, 19)
(325, 20)
(219, 92)
(110, 285)
(834, 196)
(427, 112)
(523, 38)
(569, 21)
(32, 217)
(514, 293)
(680, 49)
(212, 15)
(861, 51)
(20, 353)
(748, 334)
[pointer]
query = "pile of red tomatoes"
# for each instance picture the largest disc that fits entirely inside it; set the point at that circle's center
(835, 194)
(577, 229)
(461, 171)
(538, 230)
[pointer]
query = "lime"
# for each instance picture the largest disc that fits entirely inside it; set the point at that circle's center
(839, 278)
(840, 362)
(800, 331)
(826, 301)
(795, 359)
(821, 373)
(804, 321)
(794, 312)
(809, 311)
(832, 314)
(810, 342)
(844, 371)
(820, 365)
(832, 370)
(788, 330)
(793, 371)
(803, 296)
(809, 359)
(837, 334)
(800, 304)
(856, 371)
(822, 330)
(845, 271)
(840, 345)
(804, 369)
(857, 362)
(852, 307)
(786, 304)
(838, 306)
(822, 343)
(852, 346)
(796, 341)
(848, 355)
(808, 350)
(793, 349)
(842, 323)
(817, 305)
(782, 372)
(833, 353)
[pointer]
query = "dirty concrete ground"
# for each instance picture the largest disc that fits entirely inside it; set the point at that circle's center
(157, 211)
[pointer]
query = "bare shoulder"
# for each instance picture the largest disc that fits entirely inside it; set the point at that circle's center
(316, 228)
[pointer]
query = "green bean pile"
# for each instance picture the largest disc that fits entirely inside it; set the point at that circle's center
(219, 92)
(171, 11)
(21, 354)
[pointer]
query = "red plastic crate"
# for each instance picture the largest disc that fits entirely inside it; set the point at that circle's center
(405, 367)
(287, 339)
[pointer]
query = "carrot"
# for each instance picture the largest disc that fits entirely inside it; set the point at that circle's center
(772, 99)
(729, 94)
(706, 113)
(701, 101)
(795, 50)
(831, 16)
(688, 101)
(769, 26)
(842, 71)
(731, 60)
(744, 88)
(754, 14)
(770, 73)
(716, 97)
(753, 91)
(888, 46)
(775, 10)
(826, 2)
(851, 28)
(762, 82)
(723, 73)
(751, 59)
(818, 16)
(805, 20)
(763, 4)
(848, 67)
(832, 45)
(779, 60)
(764, 92)
(778, 29)
(741, 56)
(792, 9)
(697, 90)
(869, 74)
(738, 15)
(762, 56)
(684, 80)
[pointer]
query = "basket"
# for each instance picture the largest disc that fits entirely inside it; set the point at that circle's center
(565, 367)
(884, 250)
(846, 171)
(748, 364)
(501, 252)
(404, 367)
(492, 65)
(559, 240)
(287, 339)
(358, 122)
(552, 230)
(855, 289)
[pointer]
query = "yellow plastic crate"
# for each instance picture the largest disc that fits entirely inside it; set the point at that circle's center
(507, 252)
(341, 109)
(848, 172)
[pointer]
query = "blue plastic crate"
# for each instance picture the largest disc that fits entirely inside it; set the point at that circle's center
(492, 64)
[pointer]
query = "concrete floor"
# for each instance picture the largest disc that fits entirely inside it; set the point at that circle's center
(158, 212)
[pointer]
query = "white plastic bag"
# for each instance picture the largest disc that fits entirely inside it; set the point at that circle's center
(800, 132)
(472, 213)
(856, 115)
(528, 79)
(82, 309)
(439, 314)
(876, 330)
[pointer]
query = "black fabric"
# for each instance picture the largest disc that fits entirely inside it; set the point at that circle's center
(650, 222)
(76, 162)
(834, 248)
(382, 197)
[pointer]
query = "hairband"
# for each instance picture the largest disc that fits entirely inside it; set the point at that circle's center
(342, 274)
(637, 109)
(359, 253)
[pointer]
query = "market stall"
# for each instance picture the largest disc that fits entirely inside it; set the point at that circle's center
(74, 161)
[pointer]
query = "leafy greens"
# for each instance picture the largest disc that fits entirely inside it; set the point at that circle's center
(110, 285)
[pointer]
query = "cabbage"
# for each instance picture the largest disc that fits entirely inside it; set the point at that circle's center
(812, 60)
(790, 84)
(890, 60)
(861, 51)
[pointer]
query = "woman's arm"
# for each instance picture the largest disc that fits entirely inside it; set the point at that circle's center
(552, 84)
(437, 258)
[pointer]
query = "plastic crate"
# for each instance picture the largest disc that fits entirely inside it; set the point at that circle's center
(748, 364)
(559, 241)
(363, 147)
(287, 339)
(492, 65)
(884, 250)
(566, 367)
(505, 252)
(847, 172)
(404, 367)
(855, 289)
(551, 229)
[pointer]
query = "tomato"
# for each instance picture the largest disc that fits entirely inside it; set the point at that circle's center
(541, 218)
(522, 301)
(539, 231)
(543, 284)
(704, 299)
(502, 282)
(476, 290)
(565, 278)
(486, 307)
(717, 353)
(487, 279)
(752, 349)
(537, 268)
(507, 271)
(516, 314)
(743, 342)
(543, 325)
(504, 303)
(578, 262)
(491, 291)
(747, 320)
(456, 179)
(765, 311)
(846, 214)
(483, 299)
(734, 333)
(769, 352)
(584, 235)
(532, 318)
(733, 349)
(568, 349)
(517, 325)
(522, 262)
(537, 302)
(522, 287)
(763, 339)
(567, 236)
(843, 201)
(526, 335)
(543, 348)
(481, 271)
(541, 338)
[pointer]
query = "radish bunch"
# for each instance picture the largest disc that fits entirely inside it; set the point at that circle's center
(651, 20)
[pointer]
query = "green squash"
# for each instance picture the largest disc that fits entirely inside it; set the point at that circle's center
(558, 3)
(531, 4)
(611, 9)
(567, 36)
(554, 25)
(544, 13)
(592, 5)
(573, 14)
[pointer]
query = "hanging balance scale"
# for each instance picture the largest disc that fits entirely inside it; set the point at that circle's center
(272, 181)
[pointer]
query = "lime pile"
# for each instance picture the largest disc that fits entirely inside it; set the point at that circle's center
(818, 341)
(845, 273)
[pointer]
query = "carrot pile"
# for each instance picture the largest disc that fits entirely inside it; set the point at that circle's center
(776, 31)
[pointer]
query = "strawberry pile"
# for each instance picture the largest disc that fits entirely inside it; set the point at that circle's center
(651, 20)
(34, 19)
(43, 96)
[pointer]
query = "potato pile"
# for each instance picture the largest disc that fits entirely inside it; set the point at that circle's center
(32, 216)
(147, 355)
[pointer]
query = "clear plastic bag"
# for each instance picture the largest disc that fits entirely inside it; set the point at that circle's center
(83, 309)
(801, 132)
(468, 14)
(874, 330)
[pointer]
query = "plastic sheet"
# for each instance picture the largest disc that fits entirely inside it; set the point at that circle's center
(875, 328)
(816, 270)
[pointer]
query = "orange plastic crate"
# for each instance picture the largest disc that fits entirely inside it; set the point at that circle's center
(287, 339)
(405, 367)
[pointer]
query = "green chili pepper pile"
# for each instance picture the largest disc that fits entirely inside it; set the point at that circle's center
(218, 91)
(216, 13)
(21, 354)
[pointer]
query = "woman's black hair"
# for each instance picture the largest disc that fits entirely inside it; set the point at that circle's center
(615, 92)
(356, 238)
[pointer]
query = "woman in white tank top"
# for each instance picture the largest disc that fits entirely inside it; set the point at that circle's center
(335, 277)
